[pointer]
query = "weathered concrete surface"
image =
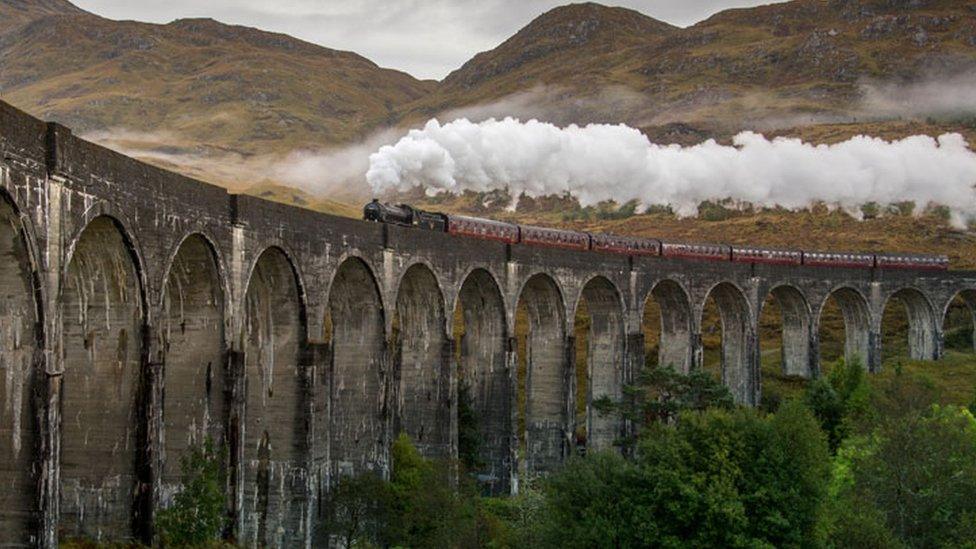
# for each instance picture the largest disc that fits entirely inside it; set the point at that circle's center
(102, 323)
(274, 472)
(142, 312)
(360, 366)
(484, 371)
(605, 361)
(192, 343)
(547, 383)
(422, 364)
(18, 374)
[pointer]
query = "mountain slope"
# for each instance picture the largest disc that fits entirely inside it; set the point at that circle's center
(797, 62)
(555, 41)
(229, 104)
(192, 85)
(18, 12)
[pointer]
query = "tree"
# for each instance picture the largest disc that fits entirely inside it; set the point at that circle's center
(356, 510)
(426, 508)
(660, 394)
(715, 478)
(196, 517)
(918, 470)
(840, 400)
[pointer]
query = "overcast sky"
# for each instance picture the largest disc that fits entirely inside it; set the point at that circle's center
(427, 38)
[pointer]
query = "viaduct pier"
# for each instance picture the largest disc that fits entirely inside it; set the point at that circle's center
(142, 312)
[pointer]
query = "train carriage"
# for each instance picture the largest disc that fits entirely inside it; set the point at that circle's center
(925, 262)
(710, 252)
(482, 228)
(851, 260)
(624, 244)
(555, 238)
(768, 256)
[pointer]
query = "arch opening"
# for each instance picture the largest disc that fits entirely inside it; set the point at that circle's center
(102, 335)
(484, 383)
(19, 431)
(785, 331)
(844, 329)
(358, 411)
(422, 364)
(274, 426)
(959, 321)
(599, 364)
(909, 327)
(667, 327)
(736, 363)
(192, 337)
(546, 387)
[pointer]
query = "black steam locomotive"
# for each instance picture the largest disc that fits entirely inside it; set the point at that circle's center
(473, 227)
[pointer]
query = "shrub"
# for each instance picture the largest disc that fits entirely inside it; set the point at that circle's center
(426, 508)
(469, 435)
(839, 400)
(356, 510)
(196, 517)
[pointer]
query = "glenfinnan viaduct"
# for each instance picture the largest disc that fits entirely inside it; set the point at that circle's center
(142, 312)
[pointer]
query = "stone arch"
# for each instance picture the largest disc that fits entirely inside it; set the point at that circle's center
(738, 359)
(964, 300)
(274, 431)
(422, 363)
(547, 380)
(603, 358)
(20, 342)
(191, 335)
(485, 384)
(356, 328)
(857, 323)
(674, 318)
(102, 435)
(923, 323)
(796, 329)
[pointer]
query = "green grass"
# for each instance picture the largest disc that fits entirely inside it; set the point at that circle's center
(953, 377)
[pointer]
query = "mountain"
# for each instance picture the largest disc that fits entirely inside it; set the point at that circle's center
(194, 87)
(18, 12)
(231, 104)
(794, 63)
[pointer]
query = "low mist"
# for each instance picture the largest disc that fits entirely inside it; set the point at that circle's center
(601, 162)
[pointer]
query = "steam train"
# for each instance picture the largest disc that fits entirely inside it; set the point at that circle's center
(473, 227)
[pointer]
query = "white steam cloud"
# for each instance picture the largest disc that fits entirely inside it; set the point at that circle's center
(615, 162)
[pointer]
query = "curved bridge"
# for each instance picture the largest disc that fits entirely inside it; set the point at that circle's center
(143, 312)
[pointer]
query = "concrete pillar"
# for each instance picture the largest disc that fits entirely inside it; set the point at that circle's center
(515, 441)
(634, 361)
(149, 457)
(633, 356)
(320, 448)
(814, 354)
(569, 411)
(754, 364)
(449, 373)
(235, 399)
(50, 451)
(697, 351)
(873, 364)
(313, 360)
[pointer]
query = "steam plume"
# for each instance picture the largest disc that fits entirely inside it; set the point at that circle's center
(603, 162)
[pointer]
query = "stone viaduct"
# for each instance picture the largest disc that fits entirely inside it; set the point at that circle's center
(142, 312)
